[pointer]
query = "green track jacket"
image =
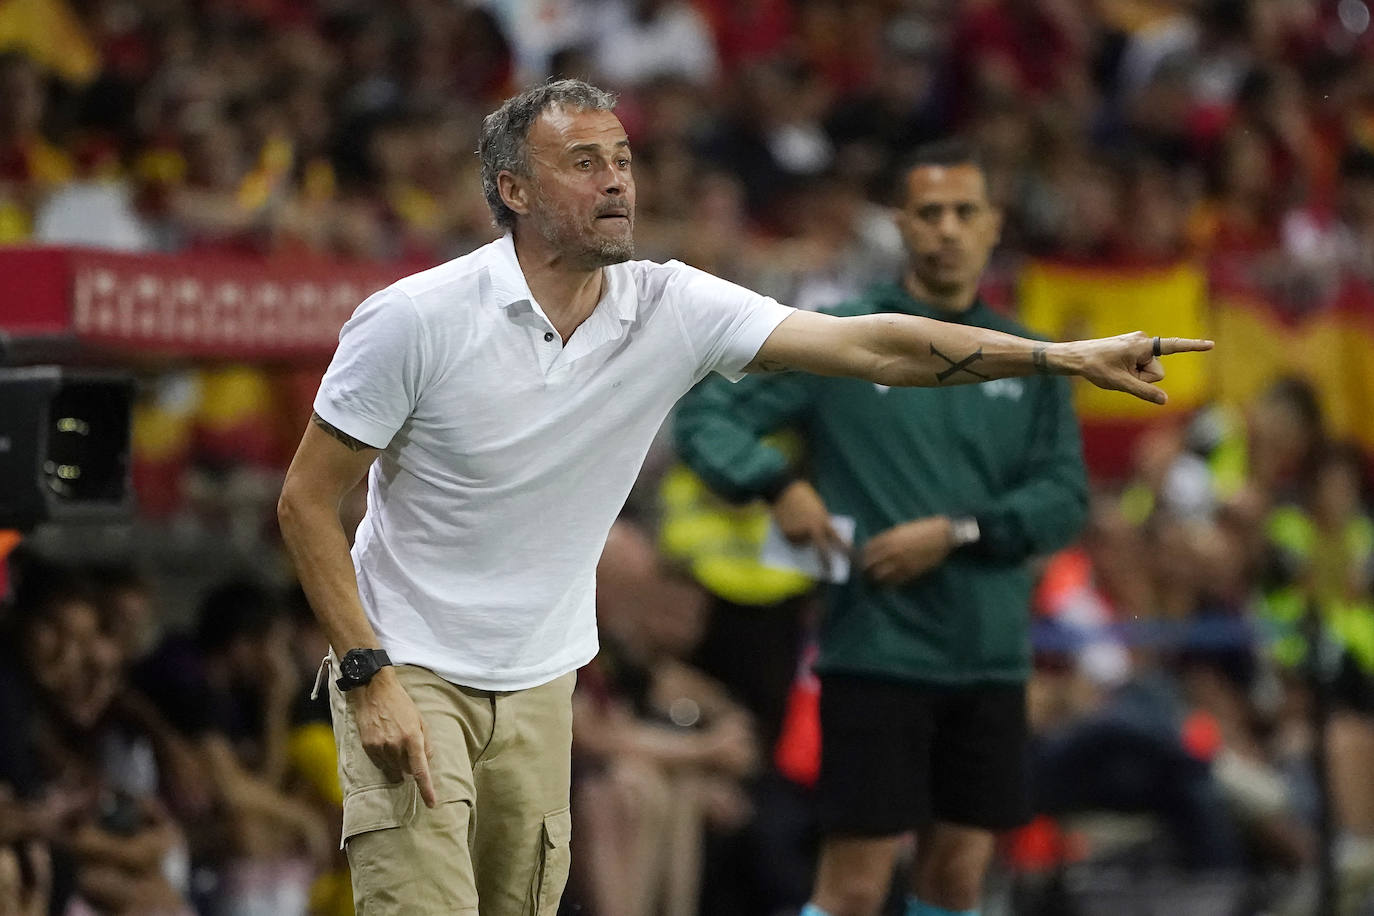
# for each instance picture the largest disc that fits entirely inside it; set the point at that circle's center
(1006, 451)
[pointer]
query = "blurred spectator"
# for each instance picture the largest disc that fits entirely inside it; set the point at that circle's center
(1017, 49)
(1241, 214)
(93, 215)
(128, 610)
(874, 126)
(1158, 232)
(1228, 459)
(773, 136)
(1087, 592)
(659, 749)
(1338, 242)
(1153, 714)
(536, 31)
(1212, 39)
(1322, 548)
(313, 763)
(752, 629)
(233, 690)
(87, 783)
(30, 165)
(749, 31)
(640, 40)
(1129, 756)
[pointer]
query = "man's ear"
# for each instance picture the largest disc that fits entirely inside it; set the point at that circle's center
(514, 190)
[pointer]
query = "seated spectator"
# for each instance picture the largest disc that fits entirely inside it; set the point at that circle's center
(232, 691)
(1174, 737)
(1240, 461)
(1322, 563)
(129, 615)
(85, 781)
(658, 748)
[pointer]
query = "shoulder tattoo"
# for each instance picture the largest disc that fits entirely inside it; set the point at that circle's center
(356, 445)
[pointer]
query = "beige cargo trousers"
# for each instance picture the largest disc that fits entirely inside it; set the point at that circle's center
(501, 769)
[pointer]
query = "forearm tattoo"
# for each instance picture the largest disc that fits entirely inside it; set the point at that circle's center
(356, 445)
(1040, 358)
(958, 365)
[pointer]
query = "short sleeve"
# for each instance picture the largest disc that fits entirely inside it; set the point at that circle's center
(726, 323)
(373, 382)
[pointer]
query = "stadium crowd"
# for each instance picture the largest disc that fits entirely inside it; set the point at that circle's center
(764, 130)
(162, 752)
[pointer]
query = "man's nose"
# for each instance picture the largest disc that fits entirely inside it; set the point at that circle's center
(615, 181)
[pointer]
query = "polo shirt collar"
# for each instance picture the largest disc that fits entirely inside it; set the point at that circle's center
(509, 287)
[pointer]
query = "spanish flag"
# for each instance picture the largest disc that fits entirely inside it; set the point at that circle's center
(1071, 302)
(1331, 344)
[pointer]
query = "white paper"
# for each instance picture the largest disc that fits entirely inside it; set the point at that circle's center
(780, 553)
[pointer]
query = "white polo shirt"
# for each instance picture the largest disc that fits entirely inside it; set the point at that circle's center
(508, 455)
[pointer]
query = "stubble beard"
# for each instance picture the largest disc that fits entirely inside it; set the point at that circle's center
(582, 246)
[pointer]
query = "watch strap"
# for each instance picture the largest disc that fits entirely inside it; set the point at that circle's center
(347, 681)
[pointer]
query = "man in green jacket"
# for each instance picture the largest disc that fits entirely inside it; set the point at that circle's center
(925, 649)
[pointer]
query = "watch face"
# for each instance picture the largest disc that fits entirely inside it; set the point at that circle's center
(353, 667)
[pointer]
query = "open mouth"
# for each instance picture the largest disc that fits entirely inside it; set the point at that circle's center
(624, 216)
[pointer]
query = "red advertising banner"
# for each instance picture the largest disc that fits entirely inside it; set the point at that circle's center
(184, 305)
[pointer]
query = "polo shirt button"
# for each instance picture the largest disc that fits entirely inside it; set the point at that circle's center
(548, 336)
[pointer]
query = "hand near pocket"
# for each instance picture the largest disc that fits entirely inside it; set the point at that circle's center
(392, 732)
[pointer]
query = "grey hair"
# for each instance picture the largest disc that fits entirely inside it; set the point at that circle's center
(503, 145)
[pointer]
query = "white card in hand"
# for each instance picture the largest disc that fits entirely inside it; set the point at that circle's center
(780, 553)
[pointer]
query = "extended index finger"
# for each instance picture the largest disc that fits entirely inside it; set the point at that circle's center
(419, 768)
(1169, 345)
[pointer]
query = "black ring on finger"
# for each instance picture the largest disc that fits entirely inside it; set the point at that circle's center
(1157, 347)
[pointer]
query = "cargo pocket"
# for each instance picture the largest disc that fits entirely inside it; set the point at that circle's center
(553, 865)
(378, 808)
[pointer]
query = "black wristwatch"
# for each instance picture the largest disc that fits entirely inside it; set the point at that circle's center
(359, 666)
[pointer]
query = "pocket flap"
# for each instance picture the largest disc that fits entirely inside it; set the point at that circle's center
(378, 808)
(558, 828)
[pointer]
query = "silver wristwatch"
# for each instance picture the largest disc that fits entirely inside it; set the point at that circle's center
(964, 531)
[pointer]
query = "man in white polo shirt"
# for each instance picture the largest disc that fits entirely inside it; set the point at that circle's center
(501, 404)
